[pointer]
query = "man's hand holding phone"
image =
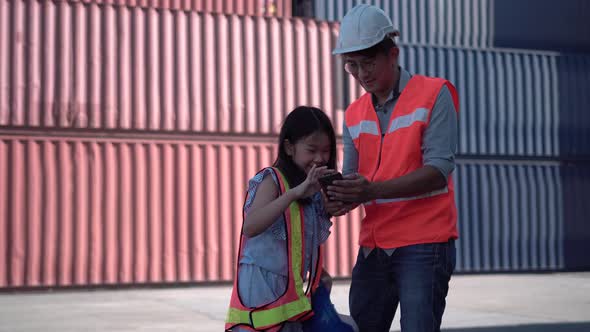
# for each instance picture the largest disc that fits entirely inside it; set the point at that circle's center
(328, 180)
(334, 207)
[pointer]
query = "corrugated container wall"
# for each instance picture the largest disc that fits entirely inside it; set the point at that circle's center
(509, 102)
(282, 8)
(87, 211)
(510, 216)
(72, 65)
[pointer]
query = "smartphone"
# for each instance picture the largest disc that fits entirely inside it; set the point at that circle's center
(327, 180)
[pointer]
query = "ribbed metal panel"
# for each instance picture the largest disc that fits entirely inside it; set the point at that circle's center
(574, 85)
(281, 8)
(509, 100)
(75, 65)
(435, 22)
(510, 216)
(81, 211)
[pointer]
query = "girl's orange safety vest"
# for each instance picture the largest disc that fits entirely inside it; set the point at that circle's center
(392, 223)
(295, 303)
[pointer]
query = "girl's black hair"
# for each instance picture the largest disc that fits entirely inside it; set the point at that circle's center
(300, 123)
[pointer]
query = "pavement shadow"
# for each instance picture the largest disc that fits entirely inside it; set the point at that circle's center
(553, 327)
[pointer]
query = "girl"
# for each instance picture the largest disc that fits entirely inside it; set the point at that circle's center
(284, 225)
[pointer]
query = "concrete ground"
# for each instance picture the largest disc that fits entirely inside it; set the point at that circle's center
(557, 302)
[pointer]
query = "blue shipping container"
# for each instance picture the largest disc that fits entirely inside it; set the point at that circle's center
(510, 216)
(508, 99)
(527, 104)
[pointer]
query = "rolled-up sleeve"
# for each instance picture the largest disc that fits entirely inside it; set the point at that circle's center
(440, 138)
(351, 157)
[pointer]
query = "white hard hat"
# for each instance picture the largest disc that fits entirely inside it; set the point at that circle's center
(364, 26)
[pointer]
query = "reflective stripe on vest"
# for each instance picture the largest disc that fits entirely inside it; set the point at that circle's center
(364, 127)
(294, 302)
(404, 121)
(268, 317)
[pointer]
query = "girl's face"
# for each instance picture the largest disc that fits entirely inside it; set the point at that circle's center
(310, 150)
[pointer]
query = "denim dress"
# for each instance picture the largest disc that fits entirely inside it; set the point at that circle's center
(263, 268)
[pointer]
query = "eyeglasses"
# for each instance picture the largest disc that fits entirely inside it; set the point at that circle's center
(352, 67)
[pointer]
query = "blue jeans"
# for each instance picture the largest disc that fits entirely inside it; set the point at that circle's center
(416, 276)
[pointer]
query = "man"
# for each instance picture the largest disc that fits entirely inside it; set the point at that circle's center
(399, 144)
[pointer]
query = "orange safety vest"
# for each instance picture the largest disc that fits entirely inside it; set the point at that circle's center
(295, 303)
(392, 223)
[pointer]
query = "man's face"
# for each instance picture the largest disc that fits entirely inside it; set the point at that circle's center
(375, 74)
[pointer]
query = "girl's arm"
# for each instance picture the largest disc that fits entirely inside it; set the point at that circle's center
(268, 205)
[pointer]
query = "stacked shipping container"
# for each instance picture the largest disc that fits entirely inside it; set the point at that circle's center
(122, 122)
(92, 211)
(85, 66)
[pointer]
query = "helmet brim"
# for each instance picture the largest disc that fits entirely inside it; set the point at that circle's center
(389, 32)
(344, 50)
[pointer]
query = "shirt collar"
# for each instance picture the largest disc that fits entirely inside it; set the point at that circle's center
(404, 78)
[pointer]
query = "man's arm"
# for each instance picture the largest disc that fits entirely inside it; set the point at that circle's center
(440, 138)
(350, 160)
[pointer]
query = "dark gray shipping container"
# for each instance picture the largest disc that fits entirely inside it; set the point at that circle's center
(576, 209)
(574, 105)
(542, 24)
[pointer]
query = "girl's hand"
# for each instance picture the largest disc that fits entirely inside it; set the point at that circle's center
(311, 185)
